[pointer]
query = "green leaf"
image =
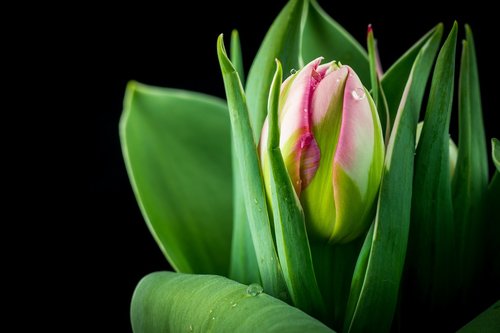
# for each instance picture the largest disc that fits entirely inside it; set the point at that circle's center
(282, 42)
(487, 322)
(470, 179)
(493, 233)
(399, 72)
(377, 91)
(334, 267)
(236, 55)
(325, 37)
(359, 273)
(173, 302)
(429, 264)
(372, 57)
(388, 247)
(177, 152)
(495, 153)
(289, 224)
(254, 194)
(244, 267)
(478, 138)
(492, 220)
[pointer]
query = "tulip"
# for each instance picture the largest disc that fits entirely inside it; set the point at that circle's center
(332, 145)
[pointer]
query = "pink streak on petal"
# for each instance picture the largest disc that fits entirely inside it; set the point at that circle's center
(357, 129)
(295, 125)
(325, 93)
(309, 160)
(295, 112)
(355, 146)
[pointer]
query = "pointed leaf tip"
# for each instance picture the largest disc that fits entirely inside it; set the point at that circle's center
(226, 65)
(236, 55)
(468, 29)
(274, 94)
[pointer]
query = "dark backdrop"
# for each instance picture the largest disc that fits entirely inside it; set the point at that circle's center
(176, 48)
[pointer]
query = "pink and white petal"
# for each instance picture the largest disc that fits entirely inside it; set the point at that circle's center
(328, 91)
(295, 134)
(355, 149)
(358, 161)
(309, 160)
(295, 111)
(323, 69)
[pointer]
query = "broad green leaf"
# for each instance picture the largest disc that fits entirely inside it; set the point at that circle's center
(487, 322)
(176, 147)
(325, 37)
(289, 224)
(378, 296)
(254, 194)
(174, 302)
(429, 263)
(282, 42)
(244, 266)
(399, 72)
(470, 180)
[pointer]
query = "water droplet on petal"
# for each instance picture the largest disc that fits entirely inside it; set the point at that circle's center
(254, 289)
(293, 71)
(358, 94)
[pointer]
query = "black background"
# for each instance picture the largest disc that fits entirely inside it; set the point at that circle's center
(174, 46)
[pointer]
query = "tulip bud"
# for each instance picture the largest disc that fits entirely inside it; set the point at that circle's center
(332, 145)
